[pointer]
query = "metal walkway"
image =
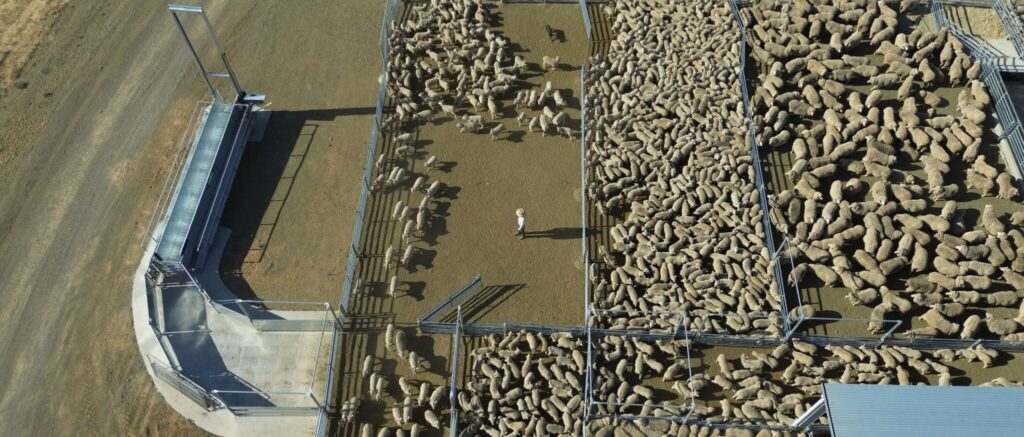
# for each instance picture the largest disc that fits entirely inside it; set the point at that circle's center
(193, 183)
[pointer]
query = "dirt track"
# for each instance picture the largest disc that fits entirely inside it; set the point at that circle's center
(83, 166)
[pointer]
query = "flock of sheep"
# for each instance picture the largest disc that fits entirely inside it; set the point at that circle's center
(878, 161)
(667, 141)
(534, 385)
(444, 59)
(668, 144)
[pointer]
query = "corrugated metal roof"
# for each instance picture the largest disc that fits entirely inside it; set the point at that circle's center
(876, 410)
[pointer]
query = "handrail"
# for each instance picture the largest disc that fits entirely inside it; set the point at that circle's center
(165, 189)
(217, 193)
(185, 386)
(206, 182)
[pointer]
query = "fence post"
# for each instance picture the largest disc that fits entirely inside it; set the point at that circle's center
(245, 311)
(679, 324)
(795, 327)
(881, 340)
(456, 348)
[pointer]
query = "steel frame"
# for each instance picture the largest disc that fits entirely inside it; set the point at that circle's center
(223, 57)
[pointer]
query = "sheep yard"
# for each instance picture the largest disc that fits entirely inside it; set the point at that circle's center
(733, 210)
(467, 227)
(722, 285)
(964, 202)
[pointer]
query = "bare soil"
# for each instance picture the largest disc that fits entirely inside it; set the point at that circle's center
(83, 152)
(24, 24)
(979, 21)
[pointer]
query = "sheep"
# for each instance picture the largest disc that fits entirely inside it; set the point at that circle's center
(431, 163)
(937, 320)
(400, 347)
(497, 130)
(1007, 189)
(432, 191)
(558, 99)
(550, 62)
(492, 108)
(1000, 326)
(367, 365)
(418, 184)
(389, 255)
(393, 286)
(990, 221)
(407, 256)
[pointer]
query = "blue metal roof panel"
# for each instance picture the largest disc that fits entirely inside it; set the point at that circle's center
(874, 410)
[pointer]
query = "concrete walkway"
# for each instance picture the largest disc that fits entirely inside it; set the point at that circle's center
(222, 352)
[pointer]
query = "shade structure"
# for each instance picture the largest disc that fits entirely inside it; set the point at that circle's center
(875, 410)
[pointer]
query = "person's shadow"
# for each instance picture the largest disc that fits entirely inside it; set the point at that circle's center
(557, 234)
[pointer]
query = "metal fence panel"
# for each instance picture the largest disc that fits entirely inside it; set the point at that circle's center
(758, 173)
(586, 22)
(1011, 23)
(184, 385)
(391, 10)
(583, 188)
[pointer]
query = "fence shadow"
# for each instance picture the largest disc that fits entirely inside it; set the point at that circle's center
(266, 176)
(483, 302)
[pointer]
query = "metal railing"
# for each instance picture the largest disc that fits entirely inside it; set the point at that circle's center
(677, 411)
(323, 421)
(1011, 24)
(429, 321)
(227, 176)
(184, 385)
(199, 113)
(587, 26)
(993, 79)
(391, 10)
(758, 173)
(263, 319)
(453, 425)
(585, 254)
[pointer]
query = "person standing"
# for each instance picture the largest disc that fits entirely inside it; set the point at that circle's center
(520, 223)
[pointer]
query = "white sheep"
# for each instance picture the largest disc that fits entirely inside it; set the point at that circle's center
(550, 62)
(393, 286)
(418, 184)
(433, 189)
(430, 163)
(497, 130)
(557, 97)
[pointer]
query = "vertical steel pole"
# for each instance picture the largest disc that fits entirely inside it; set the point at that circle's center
(188, 42)
(220, 51)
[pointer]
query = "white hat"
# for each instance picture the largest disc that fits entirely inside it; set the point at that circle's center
(520, 212)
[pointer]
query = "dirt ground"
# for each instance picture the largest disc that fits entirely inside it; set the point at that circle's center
(982, 22)
(536, 280)
(87, 145)
(24, 25)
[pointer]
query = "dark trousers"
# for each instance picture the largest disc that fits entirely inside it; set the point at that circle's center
(521, 232)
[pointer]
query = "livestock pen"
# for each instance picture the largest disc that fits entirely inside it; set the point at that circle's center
(462, 277)
(827, 300)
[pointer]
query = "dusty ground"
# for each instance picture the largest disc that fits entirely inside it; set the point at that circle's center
(983, 22)
(87, 144)
(24, 24)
